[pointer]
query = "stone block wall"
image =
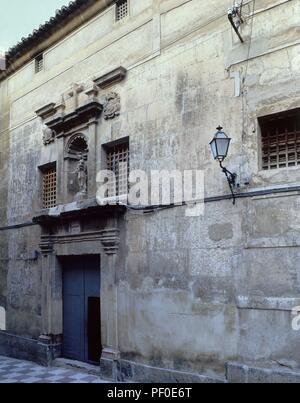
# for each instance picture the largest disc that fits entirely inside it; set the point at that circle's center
(193, 292)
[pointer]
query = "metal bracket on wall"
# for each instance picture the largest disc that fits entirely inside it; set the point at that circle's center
(231, 179)
(237, 83)
(236, 20)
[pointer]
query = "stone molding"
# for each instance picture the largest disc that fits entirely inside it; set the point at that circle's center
(82, 114)
(46, 245)
(46, 111)
(70, 216)
(110, 239)
(113, 77)
(110, 353)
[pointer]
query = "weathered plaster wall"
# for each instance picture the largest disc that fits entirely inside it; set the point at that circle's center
(4, 161)
(193, 293)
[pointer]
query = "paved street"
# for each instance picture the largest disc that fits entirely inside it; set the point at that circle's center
(16, 371)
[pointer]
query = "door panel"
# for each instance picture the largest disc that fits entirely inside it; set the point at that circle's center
(92, 309)
(94, 329)
(92, 276)
(73, 330)
(81, 308)
(73, 309)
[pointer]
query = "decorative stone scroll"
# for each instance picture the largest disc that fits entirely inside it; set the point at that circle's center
(110, 239)
(46, 245)
(76, 146)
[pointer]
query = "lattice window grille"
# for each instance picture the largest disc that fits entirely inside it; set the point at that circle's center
(121, 9)
(118, 163)
(49, 188)
(281, 144)
(39, 63)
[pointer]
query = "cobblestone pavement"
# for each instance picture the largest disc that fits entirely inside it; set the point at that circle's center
(16, 371)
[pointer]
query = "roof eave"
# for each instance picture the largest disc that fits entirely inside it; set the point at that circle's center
(53, 31)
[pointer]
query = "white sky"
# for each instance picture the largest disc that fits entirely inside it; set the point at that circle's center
(18, 18)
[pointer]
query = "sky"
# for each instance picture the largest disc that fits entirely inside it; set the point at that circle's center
(18, 18)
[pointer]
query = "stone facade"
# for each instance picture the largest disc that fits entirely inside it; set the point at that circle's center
(181, 296)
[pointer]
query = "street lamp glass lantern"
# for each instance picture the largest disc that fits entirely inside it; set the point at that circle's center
(220, 145)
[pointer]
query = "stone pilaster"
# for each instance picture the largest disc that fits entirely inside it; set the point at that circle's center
(51, 296)
(110, 239)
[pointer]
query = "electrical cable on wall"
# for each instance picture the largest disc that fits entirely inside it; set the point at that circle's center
(243, 83)
(243, 89)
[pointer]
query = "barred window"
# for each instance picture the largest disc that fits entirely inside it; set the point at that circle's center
(39, 63)
(49, 187)
(121, 9)
(118, 163)
(280, 140)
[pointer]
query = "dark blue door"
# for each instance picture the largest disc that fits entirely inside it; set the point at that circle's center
(81, 308)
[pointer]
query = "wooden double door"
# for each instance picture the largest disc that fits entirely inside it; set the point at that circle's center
(81, 308)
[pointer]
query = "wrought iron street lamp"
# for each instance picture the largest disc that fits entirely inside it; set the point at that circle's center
(219, 148)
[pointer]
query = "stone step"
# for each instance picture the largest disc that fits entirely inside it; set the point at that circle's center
(81, 366)
(255, 373)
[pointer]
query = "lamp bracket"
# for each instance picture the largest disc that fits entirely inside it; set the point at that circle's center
(231, 179)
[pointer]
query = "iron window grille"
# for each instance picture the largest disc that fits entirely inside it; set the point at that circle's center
(280, 140)
(49, 187)
(122, 9)
(118, 163)
(39, 63)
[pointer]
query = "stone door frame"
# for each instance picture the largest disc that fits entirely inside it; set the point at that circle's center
(103, 242)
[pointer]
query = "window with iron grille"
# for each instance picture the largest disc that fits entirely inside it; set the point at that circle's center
(39, 63)
(49, 187)
(280, 140)
(121, 9)
(118, 162)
